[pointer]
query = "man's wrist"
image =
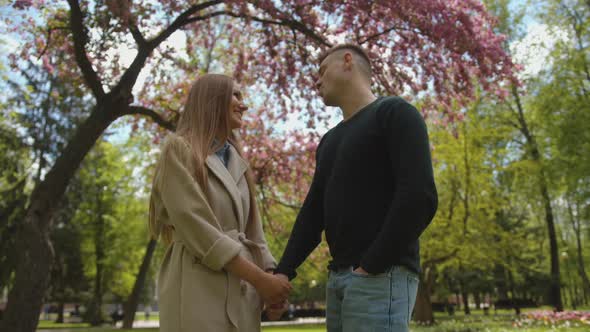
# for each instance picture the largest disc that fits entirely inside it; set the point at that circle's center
(281, 275)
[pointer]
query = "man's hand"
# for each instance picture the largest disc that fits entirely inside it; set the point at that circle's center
(282, 276)
(276, 311)
(360, 270)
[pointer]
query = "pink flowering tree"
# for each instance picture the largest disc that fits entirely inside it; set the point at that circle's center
(435, 49)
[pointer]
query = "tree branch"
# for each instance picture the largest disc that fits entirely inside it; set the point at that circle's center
(287, 23)
(137, 35)
(15, 186)
(129, 78)
(155, 116)
(180, 21)
(438, 260)
(288, 205)
(49, 30)
(369, 38)
(80, 39)
(296, 25)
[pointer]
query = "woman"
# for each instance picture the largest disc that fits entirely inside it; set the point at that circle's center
(215, 271)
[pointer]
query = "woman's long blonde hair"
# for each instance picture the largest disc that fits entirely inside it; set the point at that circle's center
(206, 117)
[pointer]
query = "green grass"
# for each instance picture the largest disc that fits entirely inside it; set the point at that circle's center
(448, 326)
(455, 327)
(49, 324)
(503, 322)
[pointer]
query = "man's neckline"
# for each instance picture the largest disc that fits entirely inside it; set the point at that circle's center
(360, 110)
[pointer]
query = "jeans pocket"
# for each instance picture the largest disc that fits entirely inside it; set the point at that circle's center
(366, 303)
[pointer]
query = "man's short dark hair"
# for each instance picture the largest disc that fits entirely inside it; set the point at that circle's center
(354, 48)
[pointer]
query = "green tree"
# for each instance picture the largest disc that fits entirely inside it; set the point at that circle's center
(464, 240)
(531, 145)
(562, 100)
(112, 220)
(15, 159)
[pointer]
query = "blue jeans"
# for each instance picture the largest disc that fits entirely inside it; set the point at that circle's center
(373, 303)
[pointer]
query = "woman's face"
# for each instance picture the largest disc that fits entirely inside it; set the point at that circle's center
(236, 108)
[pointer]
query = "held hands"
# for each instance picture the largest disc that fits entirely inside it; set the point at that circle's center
(276, 311)
(273, 288)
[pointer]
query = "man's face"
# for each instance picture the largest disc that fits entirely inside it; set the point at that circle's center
(332, 77)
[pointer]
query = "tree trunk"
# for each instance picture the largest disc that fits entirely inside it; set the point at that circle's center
(477, 300)
(60, 312)
(130, 306)
(555, 277)
(465, 298)
(96, 316)
(533, 149)
(423, 310)
(577, 295)
(34, 246)
(580, 257)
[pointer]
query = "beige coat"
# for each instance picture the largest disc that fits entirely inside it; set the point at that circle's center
(195, 293)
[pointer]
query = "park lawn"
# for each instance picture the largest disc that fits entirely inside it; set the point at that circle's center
(445, 326)
(503, 322)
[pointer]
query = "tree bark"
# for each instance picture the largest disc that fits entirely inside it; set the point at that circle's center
(130, 306)
(34, 246)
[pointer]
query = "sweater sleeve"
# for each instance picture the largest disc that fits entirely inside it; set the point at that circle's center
(307, 231)
(415, 197)
(185, 202)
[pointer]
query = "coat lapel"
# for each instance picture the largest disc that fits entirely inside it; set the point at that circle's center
(217, 167)
(236, 166)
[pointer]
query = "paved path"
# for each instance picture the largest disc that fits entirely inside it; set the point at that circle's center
(300, 321)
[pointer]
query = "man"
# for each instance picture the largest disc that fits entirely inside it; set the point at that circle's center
(373, 193)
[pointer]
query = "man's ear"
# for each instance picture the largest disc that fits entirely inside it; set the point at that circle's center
(348, 60)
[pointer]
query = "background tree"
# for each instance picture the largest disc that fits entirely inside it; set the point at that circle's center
(68, 283)
(112, 221)
(464, 241)
(562, 101)
(13, 188)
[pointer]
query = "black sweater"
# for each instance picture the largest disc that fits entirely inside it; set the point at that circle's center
(373, 192)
